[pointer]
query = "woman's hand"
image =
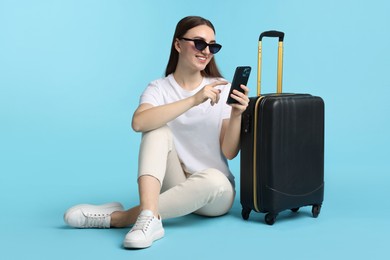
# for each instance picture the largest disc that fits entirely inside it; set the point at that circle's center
(242, 99)
(209, 92)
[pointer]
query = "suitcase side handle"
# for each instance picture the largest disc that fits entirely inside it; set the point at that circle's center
(275, 34)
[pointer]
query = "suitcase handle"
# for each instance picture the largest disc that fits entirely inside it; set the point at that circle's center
(275, 34)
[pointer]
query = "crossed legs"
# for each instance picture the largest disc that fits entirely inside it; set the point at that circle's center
(166, 190)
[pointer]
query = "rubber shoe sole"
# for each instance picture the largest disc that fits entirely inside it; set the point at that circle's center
(145, 243)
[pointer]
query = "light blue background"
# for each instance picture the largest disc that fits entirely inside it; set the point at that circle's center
(71, 73)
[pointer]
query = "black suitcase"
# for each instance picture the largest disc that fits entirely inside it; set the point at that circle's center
(282, 149)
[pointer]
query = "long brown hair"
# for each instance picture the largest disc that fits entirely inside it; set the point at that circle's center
(182, 27)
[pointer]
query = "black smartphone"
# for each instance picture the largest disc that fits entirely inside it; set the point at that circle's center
(241, 76)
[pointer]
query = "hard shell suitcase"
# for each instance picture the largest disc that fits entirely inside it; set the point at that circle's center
(282, 149)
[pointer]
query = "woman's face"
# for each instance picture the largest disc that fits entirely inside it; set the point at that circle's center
(191, 57)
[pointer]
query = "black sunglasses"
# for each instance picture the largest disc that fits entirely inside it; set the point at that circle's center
(201, 45)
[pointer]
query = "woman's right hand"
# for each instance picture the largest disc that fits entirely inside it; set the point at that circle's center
(209, 92)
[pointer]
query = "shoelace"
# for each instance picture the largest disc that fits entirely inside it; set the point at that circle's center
(96, 220)
(142, 223)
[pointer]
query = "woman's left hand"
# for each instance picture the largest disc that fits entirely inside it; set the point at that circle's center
(242, 99)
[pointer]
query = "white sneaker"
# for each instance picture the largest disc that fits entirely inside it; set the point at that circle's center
(91, 216)
(145, 231)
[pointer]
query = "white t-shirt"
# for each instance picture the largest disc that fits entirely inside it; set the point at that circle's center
(196, 132)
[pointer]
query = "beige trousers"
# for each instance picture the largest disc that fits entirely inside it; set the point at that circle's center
(207, 193)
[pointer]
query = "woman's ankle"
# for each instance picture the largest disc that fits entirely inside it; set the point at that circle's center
(117, 219)
(120, 219)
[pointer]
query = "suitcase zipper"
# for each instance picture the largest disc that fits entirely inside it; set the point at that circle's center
(255, 202)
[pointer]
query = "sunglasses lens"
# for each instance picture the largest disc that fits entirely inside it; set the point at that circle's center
(214, 48)
(200, 45)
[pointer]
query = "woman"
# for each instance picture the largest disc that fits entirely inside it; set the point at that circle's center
(189, 132)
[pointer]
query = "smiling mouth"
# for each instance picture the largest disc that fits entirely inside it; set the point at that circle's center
(201, 58)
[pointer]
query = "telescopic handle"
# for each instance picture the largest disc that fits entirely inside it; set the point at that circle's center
(274, 34)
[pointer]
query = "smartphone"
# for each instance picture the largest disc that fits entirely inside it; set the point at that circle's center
(241, 76)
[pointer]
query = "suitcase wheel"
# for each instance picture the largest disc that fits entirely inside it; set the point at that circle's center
(294, 210)
(270, 218)
(316, 210)
(245, 213)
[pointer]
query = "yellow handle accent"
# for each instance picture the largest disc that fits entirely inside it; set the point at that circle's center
(259, 70)
(280, 68)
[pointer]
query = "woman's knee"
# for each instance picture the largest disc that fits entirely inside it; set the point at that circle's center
(159, 132)
(222, 193)
(155, 138)
(215, 181)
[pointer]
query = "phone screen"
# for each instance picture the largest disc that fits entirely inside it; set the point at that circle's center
(241, 76)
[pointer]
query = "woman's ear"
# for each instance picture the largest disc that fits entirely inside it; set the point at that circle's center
(177, 45)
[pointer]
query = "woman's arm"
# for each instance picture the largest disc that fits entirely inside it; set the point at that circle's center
(231, 128)
(148, 117)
